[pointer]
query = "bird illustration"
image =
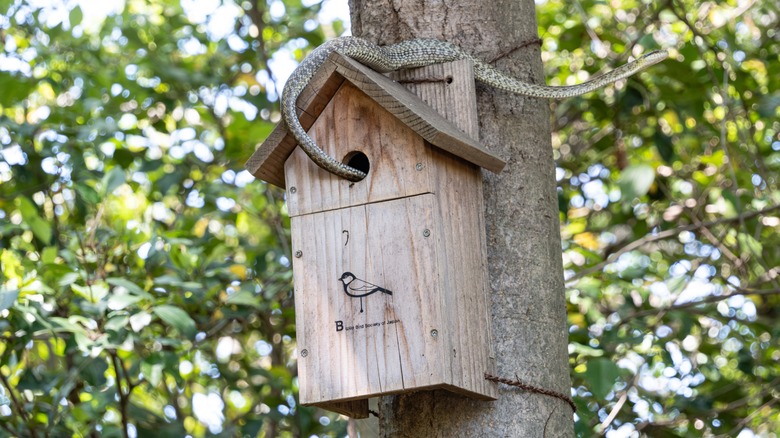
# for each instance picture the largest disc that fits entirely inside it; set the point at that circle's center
(357, 288)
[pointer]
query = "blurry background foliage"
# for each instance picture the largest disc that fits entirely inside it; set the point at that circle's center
(145, 285)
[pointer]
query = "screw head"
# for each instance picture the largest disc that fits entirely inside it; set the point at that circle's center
(304, 352)
(419, 166)
(426, 232)
(293, 189)
(434, 333)
(298, 254)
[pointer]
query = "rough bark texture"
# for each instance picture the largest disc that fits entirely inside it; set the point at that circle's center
(523, 236)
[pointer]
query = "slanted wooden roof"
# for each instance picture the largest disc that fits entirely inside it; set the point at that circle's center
(267, 163)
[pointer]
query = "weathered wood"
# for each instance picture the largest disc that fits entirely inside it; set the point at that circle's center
(414, 230)
(432, 332)
(386, 347)
(416, 114)
(448, 89)
(408, 108)
(267, 163)
(353, 408)
(463, 261)
(353, 122)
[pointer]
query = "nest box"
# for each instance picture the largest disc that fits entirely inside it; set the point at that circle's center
(389, 272)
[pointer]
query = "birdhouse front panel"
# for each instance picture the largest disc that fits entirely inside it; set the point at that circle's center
(368, 300)
(352, 124)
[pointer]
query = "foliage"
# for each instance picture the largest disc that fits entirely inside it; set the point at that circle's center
(146, 288)
(145, 283)
(670, 214)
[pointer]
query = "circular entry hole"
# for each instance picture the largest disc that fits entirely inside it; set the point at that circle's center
(357, 160)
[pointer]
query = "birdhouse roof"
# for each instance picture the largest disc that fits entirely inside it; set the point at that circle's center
(267, 163)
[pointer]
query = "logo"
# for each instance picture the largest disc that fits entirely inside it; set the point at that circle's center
(357, 288)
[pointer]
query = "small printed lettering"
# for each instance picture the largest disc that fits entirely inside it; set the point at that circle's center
(341, 327)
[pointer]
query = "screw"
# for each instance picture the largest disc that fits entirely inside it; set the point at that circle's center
(426, 232)
(304, 352)
(434, 333)
(298, 254)
(293, 189)
(419, 166)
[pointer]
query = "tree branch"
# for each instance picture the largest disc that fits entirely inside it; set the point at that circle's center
(707, 300)
(746, 420)
(7, 429)
(664, 235)
(615, 410)
(18, 405)
(123, 398)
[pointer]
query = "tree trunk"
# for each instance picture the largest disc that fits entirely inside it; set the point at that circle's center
(523, 234)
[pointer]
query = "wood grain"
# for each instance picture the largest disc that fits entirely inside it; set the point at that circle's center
(353, 122)
(267, 161)
(462, 247)
(418, 233)
(352, 408)
(388, 347)
(446, 88)
(416, 114)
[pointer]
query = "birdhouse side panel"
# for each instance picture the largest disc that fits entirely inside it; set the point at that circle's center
(353, 123)
(367, 300)
(463, 251)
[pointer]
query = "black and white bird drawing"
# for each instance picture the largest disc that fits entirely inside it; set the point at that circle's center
(357, 288)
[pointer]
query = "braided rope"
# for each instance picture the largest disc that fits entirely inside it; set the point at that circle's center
(532, 388)
(419, 53)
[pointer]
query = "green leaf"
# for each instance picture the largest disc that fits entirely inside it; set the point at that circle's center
(14, 88)
(117, 323)
(152, 371)
(10, 265)
(635, 181)
(75, 16)
(68, 325)
(87, 193)
(49, 254)
(94, 373)
(119, 302)
(40, 228)
(176, 318)
(112, 180)
(748, 243)
(129, 285)
(664, 145)
(123, 157)
(601, 374)
(68, 279)
(245, 298)
(93, 293)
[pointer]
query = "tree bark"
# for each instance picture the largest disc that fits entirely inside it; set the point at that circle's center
(523, 233)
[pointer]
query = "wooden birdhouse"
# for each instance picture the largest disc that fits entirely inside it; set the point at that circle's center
(390, 272)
